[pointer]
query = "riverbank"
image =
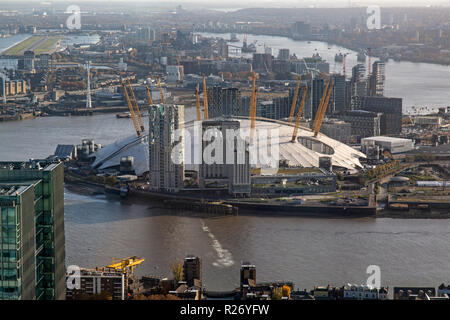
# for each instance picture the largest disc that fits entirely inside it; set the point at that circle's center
(247, 207)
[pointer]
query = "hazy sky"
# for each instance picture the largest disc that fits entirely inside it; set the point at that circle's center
(261, 3)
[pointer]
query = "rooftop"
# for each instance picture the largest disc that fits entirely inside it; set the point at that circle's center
(385, 139)
(12, 190)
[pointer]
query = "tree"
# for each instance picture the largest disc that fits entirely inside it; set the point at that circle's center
(277, 293)
(177, 271)
(286, 291)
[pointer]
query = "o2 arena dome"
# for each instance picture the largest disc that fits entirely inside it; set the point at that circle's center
(305, 152)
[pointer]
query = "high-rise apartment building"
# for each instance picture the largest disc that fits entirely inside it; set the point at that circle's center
(376, 80)
(363, 123)
(224, 102)
(166, 149)
(338, 95)
(192, 270)
(391, 108)
(229, 165)
(284, 54)
(359, 86)
(32, 243)
(301, 30)
(262, 62)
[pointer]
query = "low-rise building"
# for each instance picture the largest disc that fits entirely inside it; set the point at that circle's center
(391, 144)
(99, 281)
(414, 293)
(363, 123)
(360, 292)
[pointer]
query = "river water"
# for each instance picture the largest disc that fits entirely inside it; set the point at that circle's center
(307, 251)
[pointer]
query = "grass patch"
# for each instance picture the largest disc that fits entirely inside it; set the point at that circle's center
(47, 45)
(19, 48)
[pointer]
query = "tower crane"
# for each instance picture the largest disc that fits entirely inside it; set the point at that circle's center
(126, 265)
(299, 113)
(136, 107)
(197, 103)
(205, 98)
(163, 101)
(130, 107)
(294, 102)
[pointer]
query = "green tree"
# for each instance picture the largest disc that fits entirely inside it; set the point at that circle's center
(277, 293)
(177, 271)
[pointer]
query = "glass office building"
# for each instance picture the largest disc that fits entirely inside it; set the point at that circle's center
(32, 243)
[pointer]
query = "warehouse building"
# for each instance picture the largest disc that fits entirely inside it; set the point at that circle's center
(393, 145)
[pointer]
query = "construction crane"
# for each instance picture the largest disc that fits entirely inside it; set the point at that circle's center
(299, 113)
(253, 101)
(149, 95)
(321, 115)
(126, 265)
(197, 103)
(294, 102)
(205, 98)
(130, 107)
(161, 92)
(136, 107)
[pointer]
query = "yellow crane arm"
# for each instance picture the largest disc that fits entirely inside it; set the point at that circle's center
(205, 98)
(324, 109)
(299, 114)
(322, 100)
(294, 102)
(136, 107)
(149, 96)
(197, 103)
(163, 101)
(123, 264)
(130, 107)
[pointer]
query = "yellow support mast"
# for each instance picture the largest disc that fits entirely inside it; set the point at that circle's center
(130, 107)
(324, 109)
(253, 101)
(136, 107)
(294, 102)
(205, 98)
(149, 96)
(163, 101)
(197, 103)
(299, 114)
(322, 100)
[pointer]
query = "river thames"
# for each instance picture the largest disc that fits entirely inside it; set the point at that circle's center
(307, 251)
